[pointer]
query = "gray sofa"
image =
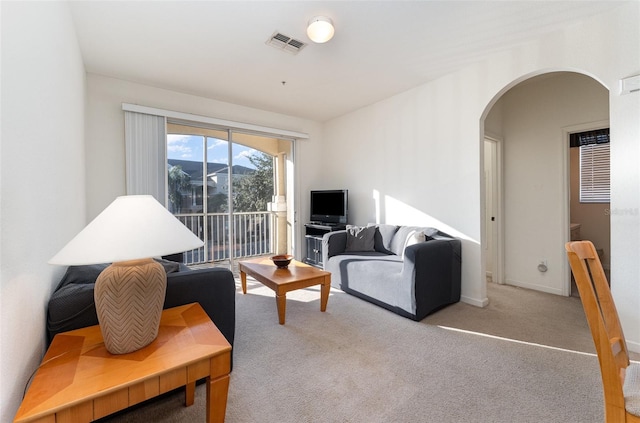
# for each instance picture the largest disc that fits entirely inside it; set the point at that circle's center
(71, 305)
(412, 271)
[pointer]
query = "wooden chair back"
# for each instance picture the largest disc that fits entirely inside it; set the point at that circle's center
(604, 323)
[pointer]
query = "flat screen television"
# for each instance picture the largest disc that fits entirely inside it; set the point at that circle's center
(330, 206)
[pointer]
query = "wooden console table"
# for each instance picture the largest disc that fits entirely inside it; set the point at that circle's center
(80, 381)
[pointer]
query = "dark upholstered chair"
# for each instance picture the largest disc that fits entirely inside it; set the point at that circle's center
(72, 306)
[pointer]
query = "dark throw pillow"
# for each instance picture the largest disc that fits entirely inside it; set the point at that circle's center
(360, 238)
(169, 266)
(383, 236)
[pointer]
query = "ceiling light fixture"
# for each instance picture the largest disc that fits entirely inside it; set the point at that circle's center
(320, 29)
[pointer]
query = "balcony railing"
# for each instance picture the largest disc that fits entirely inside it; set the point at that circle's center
(252, 233)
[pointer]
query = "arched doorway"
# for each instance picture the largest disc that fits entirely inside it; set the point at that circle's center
(530, 122)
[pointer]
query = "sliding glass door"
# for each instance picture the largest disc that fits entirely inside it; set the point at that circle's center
(220, 185)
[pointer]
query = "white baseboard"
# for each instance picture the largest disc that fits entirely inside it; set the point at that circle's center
(633, 346)
(535, 287)
(475, 301)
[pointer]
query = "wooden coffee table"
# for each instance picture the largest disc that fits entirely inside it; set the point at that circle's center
(296, 276)
(80, 381)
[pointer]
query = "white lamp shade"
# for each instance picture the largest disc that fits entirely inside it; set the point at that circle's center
(320, 29)
(132, 227)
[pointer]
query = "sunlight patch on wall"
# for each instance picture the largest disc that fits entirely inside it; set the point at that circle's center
(397, 212)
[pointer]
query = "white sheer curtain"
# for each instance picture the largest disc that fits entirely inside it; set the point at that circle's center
(146, 161)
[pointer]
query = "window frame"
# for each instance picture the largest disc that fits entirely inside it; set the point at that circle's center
(595, 172)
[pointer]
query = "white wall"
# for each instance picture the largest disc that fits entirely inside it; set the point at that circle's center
(412, 160)
(105, 136)
(420, 150)
(536, 169)
(42, 174)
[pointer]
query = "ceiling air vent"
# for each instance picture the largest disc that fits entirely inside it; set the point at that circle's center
(286, 43)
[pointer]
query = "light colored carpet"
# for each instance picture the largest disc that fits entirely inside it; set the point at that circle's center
(527, 357)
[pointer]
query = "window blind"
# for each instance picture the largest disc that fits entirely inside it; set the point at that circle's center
(595, 173)
(145, 145)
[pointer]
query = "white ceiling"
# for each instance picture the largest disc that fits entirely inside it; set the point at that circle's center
(217, 49)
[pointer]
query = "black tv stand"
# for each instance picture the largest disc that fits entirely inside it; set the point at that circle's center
(314, 231)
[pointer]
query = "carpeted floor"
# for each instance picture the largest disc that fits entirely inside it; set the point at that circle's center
(527, 357)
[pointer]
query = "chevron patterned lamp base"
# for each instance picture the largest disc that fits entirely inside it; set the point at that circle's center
(129, 296)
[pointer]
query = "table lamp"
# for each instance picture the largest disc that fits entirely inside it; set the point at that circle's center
(129, 294)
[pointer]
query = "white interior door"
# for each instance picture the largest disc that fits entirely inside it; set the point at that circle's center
(493, 215)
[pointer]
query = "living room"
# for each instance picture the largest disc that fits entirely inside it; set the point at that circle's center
(63, 156)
